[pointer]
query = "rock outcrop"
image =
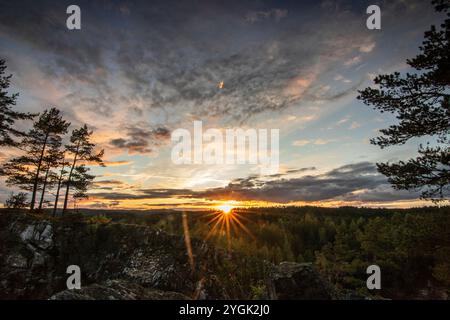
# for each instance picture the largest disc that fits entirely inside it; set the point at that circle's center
(117, 290)
(297, 281)
(36, 251)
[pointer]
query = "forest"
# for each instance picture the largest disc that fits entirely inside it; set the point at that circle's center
(411, 246)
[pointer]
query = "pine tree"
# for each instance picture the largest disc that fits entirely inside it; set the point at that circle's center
(52, 160)
(62, 172)
(83, 151)
(81, 180)
(20, 172)
(7, 115)
(25, 170)
(421, 103)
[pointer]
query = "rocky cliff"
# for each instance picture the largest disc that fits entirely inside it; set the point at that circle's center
(123, 261)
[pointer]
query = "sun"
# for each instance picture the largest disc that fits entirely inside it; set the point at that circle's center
(225, 208)
(226, 221)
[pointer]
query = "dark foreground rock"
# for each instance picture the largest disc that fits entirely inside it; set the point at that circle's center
(297, 281)
(117, 290)
(124, 261)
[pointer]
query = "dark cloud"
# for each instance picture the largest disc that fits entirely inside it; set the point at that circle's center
(353, 182)
(275, 14)
(108, 184)
(144, 194)
(300, 170)
(141, 140)
(336, 183)
(292, 171)
(171, 54)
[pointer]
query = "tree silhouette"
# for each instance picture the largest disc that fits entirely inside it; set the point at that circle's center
(421, 103)
(62, 172)
(81, 180)
(53, 159)
(17, 201)
(7, 115)
(25, 170)
(20, 172)
(83, 151)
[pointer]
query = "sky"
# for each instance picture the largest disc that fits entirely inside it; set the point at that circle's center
(138, 70)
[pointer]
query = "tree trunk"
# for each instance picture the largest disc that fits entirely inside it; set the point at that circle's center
(66, 197)
(43, 187)
(57, 192)
(38, 171)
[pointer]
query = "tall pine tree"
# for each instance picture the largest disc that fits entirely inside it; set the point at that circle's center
(421, 103)
(82, 150)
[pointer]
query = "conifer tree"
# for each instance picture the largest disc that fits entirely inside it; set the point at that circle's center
(52, 160)
(8, 116)
(83, 151)
(25, 170)
(421, 103)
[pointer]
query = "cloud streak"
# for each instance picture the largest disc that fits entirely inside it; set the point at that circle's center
(352, 182)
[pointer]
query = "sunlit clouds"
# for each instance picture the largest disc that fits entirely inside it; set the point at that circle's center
(137, 71)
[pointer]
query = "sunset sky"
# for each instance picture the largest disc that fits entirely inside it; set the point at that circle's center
(137, 70)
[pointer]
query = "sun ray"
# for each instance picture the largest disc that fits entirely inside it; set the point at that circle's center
(226, 222)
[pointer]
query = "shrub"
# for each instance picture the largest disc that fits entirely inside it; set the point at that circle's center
(17, 201)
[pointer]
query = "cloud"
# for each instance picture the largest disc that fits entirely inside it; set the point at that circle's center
(117, 163)
(110, 185)
(319, 142)
(300, 170)
(343, 120)
(136, 70)
(343, 183)
(353, 61)
(367, 47)
(301, 142)
(341, 78)
(275, 14)
(141, 140)
(163, 65)
(143, 194)
(353, 182)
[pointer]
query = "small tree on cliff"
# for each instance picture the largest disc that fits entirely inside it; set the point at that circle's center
(8, 116)
(17, 201)
(82, 150)
(421, 103)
